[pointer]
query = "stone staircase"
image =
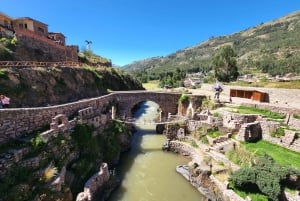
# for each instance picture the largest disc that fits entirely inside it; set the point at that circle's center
(224, 146)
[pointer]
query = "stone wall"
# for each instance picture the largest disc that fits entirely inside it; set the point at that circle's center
(293, 122)
(168, 102)
(32, 47)
(250, 132)
(94, 184)
(16, 123)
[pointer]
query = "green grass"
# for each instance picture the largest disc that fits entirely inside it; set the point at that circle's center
(281, 155)
(253, 196)
(295, 84)
(214, 134)
(152, 85)
(264, 112)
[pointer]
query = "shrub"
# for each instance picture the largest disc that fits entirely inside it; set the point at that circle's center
(264, 176)
(49, 173)
(183, 99)
(241, 156)
(216, 114)
(204, 139)
(296, 116)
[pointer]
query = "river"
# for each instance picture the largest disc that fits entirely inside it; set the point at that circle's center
(148, 173)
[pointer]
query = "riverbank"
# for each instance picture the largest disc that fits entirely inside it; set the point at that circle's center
(199, 171)
(146, 171)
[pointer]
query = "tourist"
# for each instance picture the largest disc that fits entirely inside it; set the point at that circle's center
(218, 90)
(5, 101)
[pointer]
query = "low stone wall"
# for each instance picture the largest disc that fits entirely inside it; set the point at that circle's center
(94, 184)
(15, 123)
(293, 122)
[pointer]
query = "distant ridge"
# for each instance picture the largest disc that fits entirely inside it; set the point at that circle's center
(272, 47)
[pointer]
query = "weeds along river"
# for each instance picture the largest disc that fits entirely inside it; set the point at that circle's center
(148, 173)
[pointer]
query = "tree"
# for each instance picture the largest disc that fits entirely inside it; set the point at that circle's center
(225, 65)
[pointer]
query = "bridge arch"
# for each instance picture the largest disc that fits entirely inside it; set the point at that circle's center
(168, 102)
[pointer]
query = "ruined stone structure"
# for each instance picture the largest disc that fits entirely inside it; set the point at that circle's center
(15, 123)
(94, 183)
(250, 132)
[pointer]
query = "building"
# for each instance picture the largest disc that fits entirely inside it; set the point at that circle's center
(57, 37)
(6, 25)
(250, 94)
(30, 24)
(6, 21)
(34, 34)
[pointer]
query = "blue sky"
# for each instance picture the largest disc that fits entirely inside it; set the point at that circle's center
(130, 30)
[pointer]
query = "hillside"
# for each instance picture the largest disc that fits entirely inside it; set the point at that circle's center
(272, 47)
(37, 86)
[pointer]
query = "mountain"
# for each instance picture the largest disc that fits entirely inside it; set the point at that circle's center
(272, 47)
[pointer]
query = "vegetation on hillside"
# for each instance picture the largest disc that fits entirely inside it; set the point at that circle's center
(88, 57)
(7, 47)
(36, 86)
(271, 47)
(224, 64)
(91, 146)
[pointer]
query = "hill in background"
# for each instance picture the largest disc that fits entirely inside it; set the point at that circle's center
(272, 47)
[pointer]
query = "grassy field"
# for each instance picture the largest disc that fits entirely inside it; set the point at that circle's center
(253, 110)
(152, 85)
(270, 84)
(281, 155)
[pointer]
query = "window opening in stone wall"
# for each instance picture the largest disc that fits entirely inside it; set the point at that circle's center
(21, 26)
(40, 29)
(25, 25)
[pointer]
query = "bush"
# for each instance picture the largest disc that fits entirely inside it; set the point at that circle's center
(264, 176)
(296, 116)
(183, 99)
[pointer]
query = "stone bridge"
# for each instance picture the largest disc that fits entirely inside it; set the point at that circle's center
(168, 102)
(17, 122)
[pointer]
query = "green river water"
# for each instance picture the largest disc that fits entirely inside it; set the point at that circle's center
(148, 173)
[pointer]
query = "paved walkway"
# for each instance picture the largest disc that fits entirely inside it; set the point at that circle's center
(284, 98)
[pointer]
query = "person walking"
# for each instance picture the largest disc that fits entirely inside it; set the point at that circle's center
(5, 101)
(218, 90)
